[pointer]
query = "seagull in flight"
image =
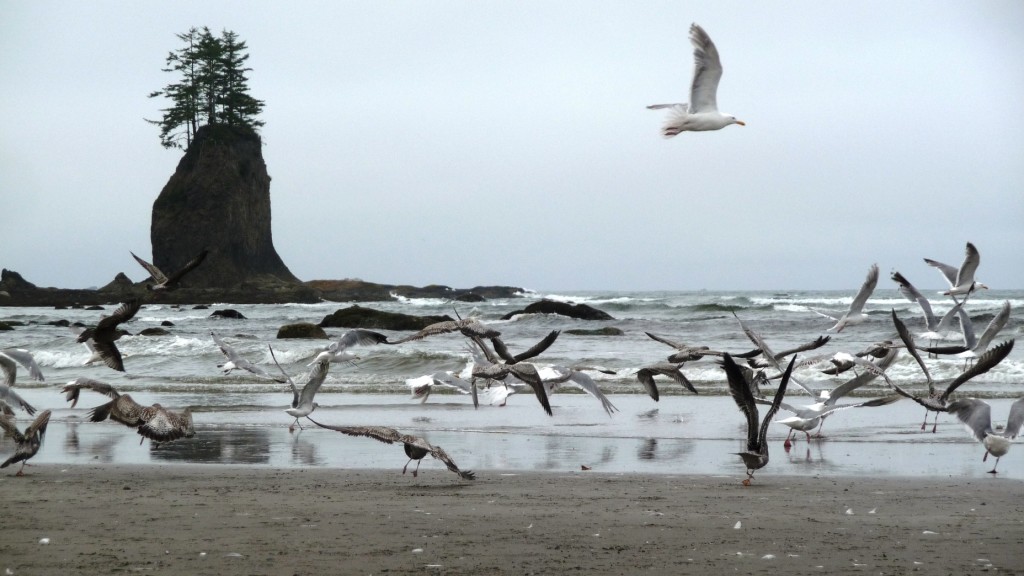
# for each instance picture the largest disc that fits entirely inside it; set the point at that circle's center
(701, 113)
(856, 315)
(236, 362)
(416, 448)
(154, 422)
(168, 283)
(935, 327)
(961, 280)
(106, 332)
(338, 350)
(302, 403)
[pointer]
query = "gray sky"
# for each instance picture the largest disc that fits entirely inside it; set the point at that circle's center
(469, 143)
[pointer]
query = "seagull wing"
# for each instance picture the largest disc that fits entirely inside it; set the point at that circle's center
(379, 433)
(965, 275)
(985, 362)
(707, 71)
(767, 352)
(25, 358)
(740, 391)
(357, 337)
(316, 378)
(871, 371)
(1015, 420)
(534, 350)
(123, 313)
(948, 272)
(191, 265)
(73, 388)
(528, 373)
(780, 393)
(865, 290)
(911, 293)
(154, 272)
(646, 378)
(908, 341)
(110, 355)
(585, 382)
(438, 453)
(10, 427)
(994, 327)
(975, 414)
(9, 396)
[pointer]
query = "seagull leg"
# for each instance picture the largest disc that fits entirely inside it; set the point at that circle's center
(993, 470)
(417, 470)
(21, 471)
(406, 467)
(787, 444)
(750, 476)
(821, 424)
(935, 424)
(925, 423)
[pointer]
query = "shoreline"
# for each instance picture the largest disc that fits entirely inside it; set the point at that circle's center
(236, 519)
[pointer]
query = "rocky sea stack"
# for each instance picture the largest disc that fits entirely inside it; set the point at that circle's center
(219, 198)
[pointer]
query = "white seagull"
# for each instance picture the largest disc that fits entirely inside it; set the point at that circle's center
(338, 350)
(302, 403)
(977, 416)
(701, 113)
(856, 315)
(935, 328)
(236, 362)
(8, 357)
(961, 280)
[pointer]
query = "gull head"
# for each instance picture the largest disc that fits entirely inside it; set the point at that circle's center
(734, 120)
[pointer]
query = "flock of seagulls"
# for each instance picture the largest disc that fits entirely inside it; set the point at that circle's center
(493, 365)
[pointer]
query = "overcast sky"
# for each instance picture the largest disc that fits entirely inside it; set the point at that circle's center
(469, 143)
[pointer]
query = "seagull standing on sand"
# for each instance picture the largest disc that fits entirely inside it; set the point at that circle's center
(168, 283)
(27, 443)
(106, 332)
(977, 417)
(701, 113)
(856, 315)
(416, 448)
(961, 280)
(755, 456)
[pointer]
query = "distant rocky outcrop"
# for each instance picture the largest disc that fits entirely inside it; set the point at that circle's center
(301, 330)
(359, 317)
(351, 290)
(578, 311)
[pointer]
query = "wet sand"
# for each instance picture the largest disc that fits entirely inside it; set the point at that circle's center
(217, 519)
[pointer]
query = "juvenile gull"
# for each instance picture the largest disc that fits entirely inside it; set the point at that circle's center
(961, 280)
(855, 315)
(487, 366)
(977, 417)
(701, 113)
(687, 353)
(106, 332)
(673, 370)
(154, 422)
(168, 283)
(755, 456)
(469, 327)
(27, 443)
(416, 448)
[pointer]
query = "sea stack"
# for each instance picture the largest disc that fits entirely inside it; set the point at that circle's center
(219, 198)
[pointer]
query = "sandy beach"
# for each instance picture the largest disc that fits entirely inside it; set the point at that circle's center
(216, 519)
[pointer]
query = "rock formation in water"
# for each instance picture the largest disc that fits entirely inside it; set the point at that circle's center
(219, 198)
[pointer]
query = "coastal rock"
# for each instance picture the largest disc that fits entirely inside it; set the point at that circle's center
(121, 284)
(167, 323)
(228, 313)
(301, 330)
(359, 317)
(578, 311)
(219, 199)
(5, 326)
(606, 331)
(154, 331)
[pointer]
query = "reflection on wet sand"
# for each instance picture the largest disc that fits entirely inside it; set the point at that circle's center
(234, 446)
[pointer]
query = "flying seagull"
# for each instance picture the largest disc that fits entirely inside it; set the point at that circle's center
(855, 315)
(938, 401)
(416, 448)
(961, 280)
(755, 456)
(236, 362)
(338, 350)
(9, 360)
(701, 113)
(673, 370)
(27, 443)
(487, 366)
(977, 417)
(469, 327)
(168, 283)
(935, 327)
(106, 332)
(974, 346)
(154, 422)
(302, 403)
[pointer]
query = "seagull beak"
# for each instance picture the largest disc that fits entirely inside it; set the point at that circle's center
(741, 122)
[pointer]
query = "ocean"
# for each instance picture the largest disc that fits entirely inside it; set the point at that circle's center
(239, 417)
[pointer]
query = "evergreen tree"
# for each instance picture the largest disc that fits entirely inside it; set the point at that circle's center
(213, 87)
